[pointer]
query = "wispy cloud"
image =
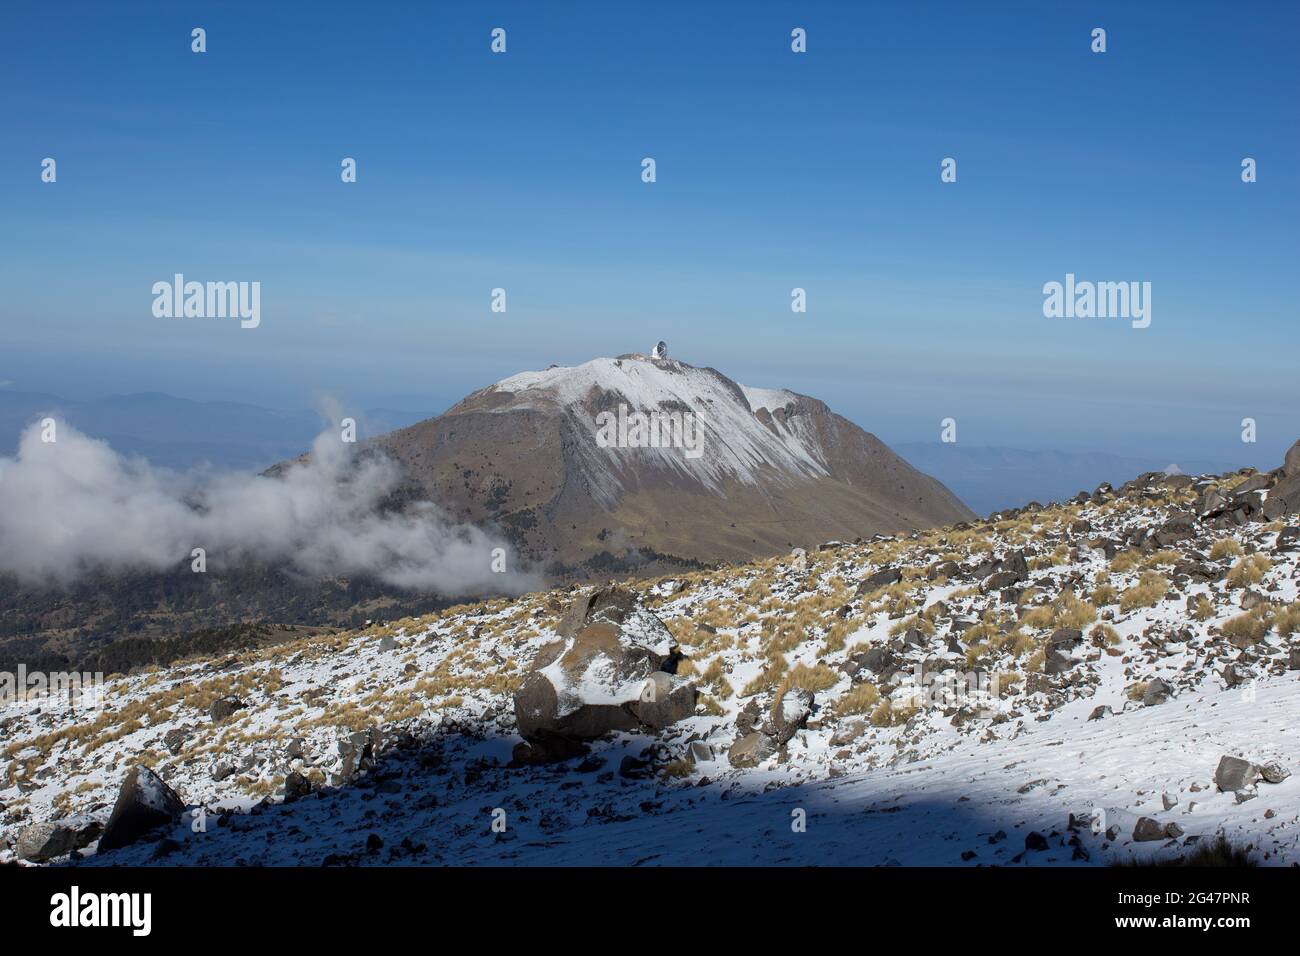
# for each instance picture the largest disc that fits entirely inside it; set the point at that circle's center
(75, 506)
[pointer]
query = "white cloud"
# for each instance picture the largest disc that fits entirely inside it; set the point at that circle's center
(75, 506)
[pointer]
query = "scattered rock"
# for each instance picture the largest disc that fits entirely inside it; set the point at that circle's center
(355, 753)
(1156, 692)
(296, 786)
(175, 738)
(1274, 772)
(879, 580)
(1148, 829)
(789, 714)
(699, 751)
(223, 707)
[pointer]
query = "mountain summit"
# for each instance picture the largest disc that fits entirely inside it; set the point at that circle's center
(627, 461)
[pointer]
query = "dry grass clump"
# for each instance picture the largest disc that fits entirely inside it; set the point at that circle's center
(768, 678)
(1103, 635)
(1201, 608)
(1245, 629)
(888, 714)
(1005, 683)
(1104, 593)
(1248, 570)
(714, 676)
(1059, 555)
(788, 635)
(676, 769)
(709, 706)
(921, 623)
(1072, 611)
(1225, 548)
(1125, 561)
(1286, 619)
(837, 636)
(1157, 558)
(860, 699)
(1148, 591)
(1038, 618)
(1218, 853)
(1013, 641)
(816, 678)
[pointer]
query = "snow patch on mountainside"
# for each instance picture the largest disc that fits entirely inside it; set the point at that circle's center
(737, 445)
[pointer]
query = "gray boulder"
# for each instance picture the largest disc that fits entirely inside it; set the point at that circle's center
(1156, 692)
(355, 752)
(223, 707)
(1233, 773)
(751, 750)
(611, 670)
(296, 786)
(789, 714)
(144, 804)
(1148, 829)
(1274, 772)
(879, 580)
(42, 842)
(665, 699)
(699, 752)
(1016, 564)
(1291, 463)
(174, 739)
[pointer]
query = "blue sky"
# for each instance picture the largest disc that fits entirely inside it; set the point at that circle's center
(775, 170)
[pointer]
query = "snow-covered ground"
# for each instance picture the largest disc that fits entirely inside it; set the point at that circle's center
(406, 732)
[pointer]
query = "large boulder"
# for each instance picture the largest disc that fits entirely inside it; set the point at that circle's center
(1059, 654)
(751, 749)
(1147, 830)
(1233, 773)
(788, 715)
(144, 803)
(1291, 463)
(611, 670)
(1016, 564)
(1156, 692)
(1284, 497)
(879, 580)
(355, 753)
(41, 842)
(223, 708)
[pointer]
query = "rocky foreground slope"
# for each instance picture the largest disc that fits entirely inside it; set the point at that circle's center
(1109, 678)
